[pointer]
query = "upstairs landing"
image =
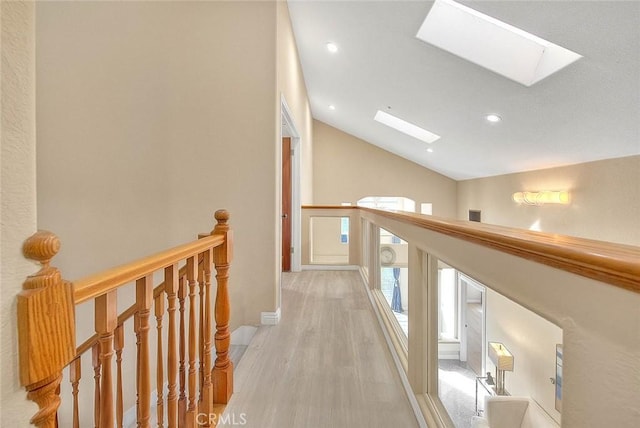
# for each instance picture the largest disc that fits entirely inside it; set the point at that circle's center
(325, 365)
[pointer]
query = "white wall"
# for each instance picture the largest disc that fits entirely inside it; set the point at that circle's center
(605, 200)
(532, 341)
(18, 193)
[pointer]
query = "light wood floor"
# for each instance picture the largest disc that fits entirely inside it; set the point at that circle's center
(325, 365)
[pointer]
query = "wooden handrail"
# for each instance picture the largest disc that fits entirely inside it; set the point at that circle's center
(98, 284)
(611, 263)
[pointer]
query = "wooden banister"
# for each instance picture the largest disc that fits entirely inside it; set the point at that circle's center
(47, 347)
(611, 263)
(222, 255)
(95, 285)
(125, 315)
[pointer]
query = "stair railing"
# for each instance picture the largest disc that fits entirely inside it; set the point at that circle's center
(195, 387)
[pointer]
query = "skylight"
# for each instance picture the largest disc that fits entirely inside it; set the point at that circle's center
(405, 127)
(493, 44)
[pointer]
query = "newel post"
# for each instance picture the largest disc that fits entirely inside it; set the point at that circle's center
(46, 328)
(222, 374)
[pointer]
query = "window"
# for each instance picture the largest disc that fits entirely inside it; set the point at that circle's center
(448, 304)
(344, 230)
(388, 202)
(394, 277)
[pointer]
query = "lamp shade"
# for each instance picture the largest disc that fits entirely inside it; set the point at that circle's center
(500, 356)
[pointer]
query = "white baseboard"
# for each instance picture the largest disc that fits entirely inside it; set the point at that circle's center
(330, 267)
(243, 335)
(270, 318)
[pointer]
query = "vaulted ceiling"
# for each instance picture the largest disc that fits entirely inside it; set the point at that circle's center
(589, 110)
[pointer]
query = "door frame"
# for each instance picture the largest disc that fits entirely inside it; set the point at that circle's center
(289, 125)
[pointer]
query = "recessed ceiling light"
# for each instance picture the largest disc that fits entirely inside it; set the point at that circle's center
(493, 118)
(493, 44)
(405, 127)
(430, 150)
(332, 47)
(332, 107)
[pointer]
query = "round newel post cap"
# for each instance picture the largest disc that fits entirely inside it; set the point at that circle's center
(221, 216)
(42, 246)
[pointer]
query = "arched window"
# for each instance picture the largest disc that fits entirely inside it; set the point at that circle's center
(388, 202)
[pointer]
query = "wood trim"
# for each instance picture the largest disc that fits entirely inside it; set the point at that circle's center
(614, 264)
(93, 286)
(330, 207)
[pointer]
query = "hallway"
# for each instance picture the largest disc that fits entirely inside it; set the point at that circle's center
(325, 365)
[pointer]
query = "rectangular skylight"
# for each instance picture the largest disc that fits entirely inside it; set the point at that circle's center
(405, 127)
(493, 44)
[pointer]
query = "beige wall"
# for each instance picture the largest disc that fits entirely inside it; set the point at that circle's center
(18, 193)
(605, 200)
(346, 169)
(152, 115)
(293, 88)
(326, 246)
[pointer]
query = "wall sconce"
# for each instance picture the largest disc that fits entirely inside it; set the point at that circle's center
(542, 197)
(503, 360)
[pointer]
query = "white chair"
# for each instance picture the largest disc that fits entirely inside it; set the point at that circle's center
(513, 412)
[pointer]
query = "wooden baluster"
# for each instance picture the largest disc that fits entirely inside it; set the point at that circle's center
(182, 401)
(106, 321)
(171, 287)
(119, 347)
(200, 335)
(192, 266)
(75, 374)
(46, 329)
(95, 360)
(159, 311)
(207, 407)
(144, 299)
(222, 255)
(136, 328)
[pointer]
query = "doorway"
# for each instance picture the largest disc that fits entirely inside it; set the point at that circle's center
(286, 204)
(473, 304)
(292, 182)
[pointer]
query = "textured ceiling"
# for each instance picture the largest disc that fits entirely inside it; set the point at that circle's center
(587, 111)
